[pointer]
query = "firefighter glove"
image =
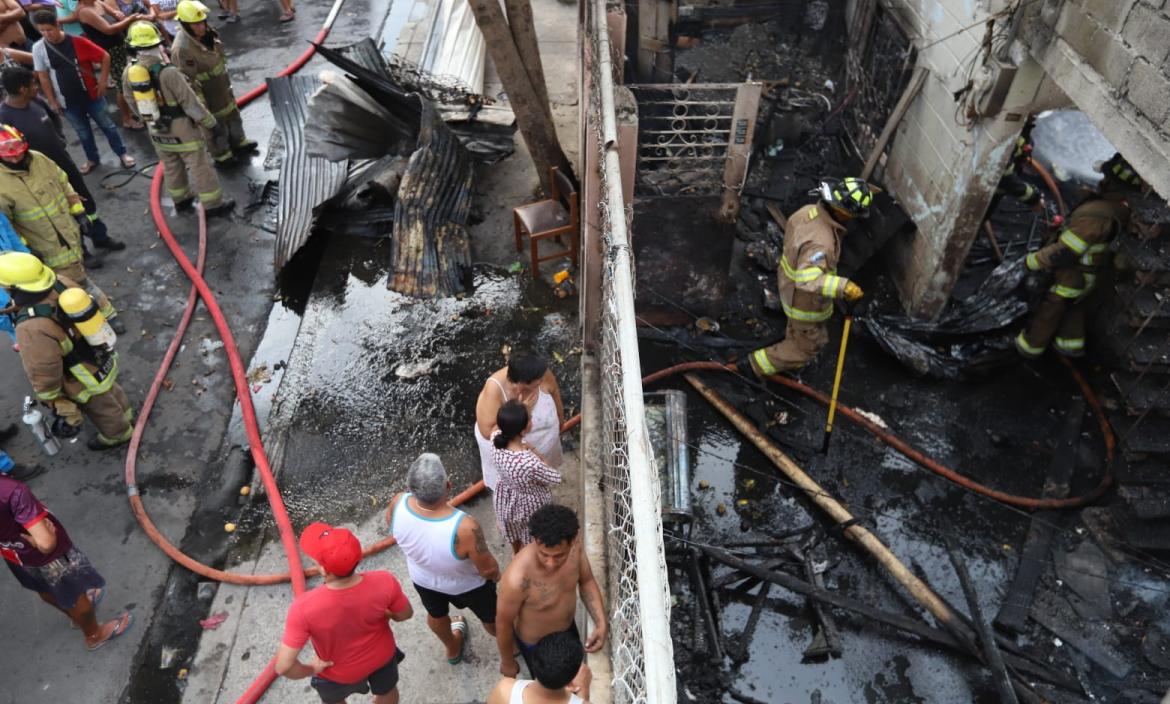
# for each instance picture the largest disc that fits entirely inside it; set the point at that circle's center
(82, 222)
(208, 122)
(853, 292)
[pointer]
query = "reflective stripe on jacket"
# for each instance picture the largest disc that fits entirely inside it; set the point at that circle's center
(37, 203)
(1082, 247)
(808, 266)
(207, 69)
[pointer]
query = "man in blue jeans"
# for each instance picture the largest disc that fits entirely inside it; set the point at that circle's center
(64, 65)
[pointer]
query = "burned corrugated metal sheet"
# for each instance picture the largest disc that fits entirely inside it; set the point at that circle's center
(305, 182)
(430, 252)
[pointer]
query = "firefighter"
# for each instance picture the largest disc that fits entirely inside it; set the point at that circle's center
(47, 213)
(164, 100)
(808, 275)
(1075, 260)
(1012, 183)
(65, 370)
(198, 52)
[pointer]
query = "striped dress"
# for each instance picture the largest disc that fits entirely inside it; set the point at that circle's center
(523, 487)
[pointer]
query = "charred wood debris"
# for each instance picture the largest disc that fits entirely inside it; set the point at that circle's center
(1064, 618)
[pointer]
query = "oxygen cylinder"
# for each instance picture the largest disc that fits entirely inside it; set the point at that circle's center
(83, 313)
(143, 90)
(35, 420)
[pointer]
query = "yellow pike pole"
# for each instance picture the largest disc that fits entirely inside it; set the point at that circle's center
(837, 383)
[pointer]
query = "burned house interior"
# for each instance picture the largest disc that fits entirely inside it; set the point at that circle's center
(1028, 495)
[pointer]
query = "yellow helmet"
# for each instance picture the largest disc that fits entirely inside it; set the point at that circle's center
(23, 271)
(143, 35)
(191, 11)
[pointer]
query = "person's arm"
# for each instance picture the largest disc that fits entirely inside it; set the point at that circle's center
(399, 608)
(11, 13)
(20, 57)
(112, 9)
(508, 603)
(42, 534)
(591, 596)
(541, 472)
(289, 665)
(178, 87)
(486, 408)
(41, 69)
(390, 511)
(472, 545)
(550, 386)
(95, 20)
(104, 78)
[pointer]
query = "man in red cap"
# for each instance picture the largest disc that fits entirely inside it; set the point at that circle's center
(347, 620)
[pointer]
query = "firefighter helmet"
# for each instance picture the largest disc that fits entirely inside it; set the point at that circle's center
(191, 11)
(1120, 170)
(24, 272)
(143, 35)
(13, 145)
(850, 196)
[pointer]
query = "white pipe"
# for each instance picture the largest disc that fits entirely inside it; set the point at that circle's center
(658, 650)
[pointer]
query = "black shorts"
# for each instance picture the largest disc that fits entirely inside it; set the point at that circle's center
(380, 681)
(66, 579)
(481, 601)
(527, 648)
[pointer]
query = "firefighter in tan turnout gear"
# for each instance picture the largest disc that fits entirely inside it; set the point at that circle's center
(808, 275)
(162, 97)
(199, 54)
(1075, 259)
(68, 369)
(46, 212)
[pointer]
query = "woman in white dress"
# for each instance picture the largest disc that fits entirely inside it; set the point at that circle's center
(526, 379)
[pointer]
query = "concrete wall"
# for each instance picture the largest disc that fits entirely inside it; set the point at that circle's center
(1112, 57)
(943, 172)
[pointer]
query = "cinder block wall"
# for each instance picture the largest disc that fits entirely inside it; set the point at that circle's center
(943, 172)
(1112, 58)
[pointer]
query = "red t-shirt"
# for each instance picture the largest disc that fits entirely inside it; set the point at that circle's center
(347, 626)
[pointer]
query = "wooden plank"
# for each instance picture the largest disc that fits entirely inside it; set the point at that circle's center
(1013, 612)
(777, 216)
(654, 58)
(535, 124)
(896, 116)
(739, 151)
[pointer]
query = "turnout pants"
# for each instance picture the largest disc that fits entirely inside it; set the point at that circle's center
(802, 341)
(227, 134)
(1060, 317)
(76, 272)
(111, 413)
(178, 166)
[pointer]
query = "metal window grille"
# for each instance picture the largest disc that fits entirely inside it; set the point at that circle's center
(638, 590)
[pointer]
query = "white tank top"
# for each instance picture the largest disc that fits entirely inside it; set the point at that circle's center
(429, 546)
(545, 436)
(517, 696)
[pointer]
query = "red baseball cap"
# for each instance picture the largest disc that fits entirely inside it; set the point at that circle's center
(336, 549)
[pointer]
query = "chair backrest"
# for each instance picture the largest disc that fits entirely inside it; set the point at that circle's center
(563, 188)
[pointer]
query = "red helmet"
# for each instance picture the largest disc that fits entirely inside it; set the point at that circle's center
(13, 145)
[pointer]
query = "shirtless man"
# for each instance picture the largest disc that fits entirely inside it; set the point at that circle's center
(538, 593)
(11, 33)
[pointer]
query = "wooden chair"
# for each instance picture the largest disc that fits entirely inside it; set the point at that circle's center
(549, 218)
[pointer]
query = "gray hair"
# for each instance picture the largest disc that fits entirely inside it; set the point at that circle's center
(426, 478)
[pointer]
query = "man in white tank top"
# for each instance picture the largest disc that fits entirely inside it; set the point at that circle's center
(555, 660)
(446, 554)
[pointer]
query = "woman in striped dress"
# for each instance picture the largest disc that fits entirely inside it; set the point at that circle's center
(525, 476)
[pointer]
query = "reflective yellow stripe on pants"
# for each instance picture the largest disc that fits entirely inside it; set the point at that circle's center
(1026, 348)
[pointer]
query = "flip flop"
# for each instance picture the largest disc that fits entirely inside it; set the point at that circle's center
(128, 161)
(120, 626)
(87, 167)
(459, 626)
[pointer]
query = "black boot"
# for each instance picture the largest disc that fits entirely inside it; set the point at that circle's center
(95, 443)
(185, 205)
(110, 244)
(90, 260)
(63, 430)
(22, 473)
(117, 325)
(9, 432)
(224, 208)
(745, 368)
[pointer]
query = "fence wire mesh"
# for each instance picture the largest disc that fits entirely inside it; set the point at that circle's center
(632, 659)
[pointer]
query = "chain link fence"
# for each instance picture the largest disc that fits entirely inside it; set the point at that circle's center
(638, 590)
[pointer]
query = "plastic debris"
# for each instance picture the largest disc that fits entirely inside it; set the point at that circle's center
(229, 527)
(515, 268)
(213, 621)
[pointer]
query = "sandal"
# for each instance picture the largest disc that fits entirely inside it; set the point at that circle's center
(459, 626)
(288, 16)
(88, 166)
(134, 125)
(120, 626)
(128, 161)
